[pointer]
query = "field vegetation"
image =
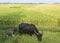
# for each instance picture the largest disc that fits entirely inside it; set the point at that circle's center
(46, 17)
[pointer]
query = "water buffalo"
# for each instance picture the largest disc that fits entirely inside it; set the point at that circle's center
(10, 32)
(29, 29)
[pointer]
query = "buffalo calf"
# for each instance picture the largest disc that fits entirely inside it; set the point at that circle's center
(10, 32)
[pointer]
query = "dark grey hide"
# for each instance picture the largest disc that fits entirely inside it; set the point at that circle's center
(29, 29)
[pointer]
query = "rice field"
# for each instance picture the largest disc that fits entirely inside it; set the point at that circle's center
(46, 17)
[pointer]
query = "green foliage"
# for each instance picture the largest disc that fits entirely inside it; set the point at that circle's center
(45, 17)
(11, 19)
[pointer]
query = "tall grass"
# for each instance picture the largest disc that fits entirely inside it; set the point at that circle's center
(45, 17)
(35, 14)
